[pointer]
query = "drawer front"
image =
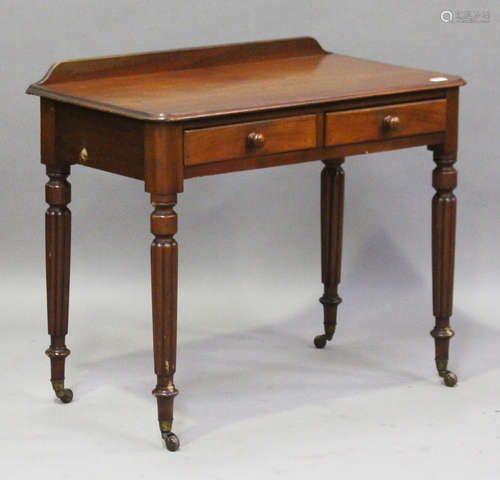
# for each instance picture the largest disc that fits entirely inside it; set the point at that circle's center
(385, 122)
(205, 145)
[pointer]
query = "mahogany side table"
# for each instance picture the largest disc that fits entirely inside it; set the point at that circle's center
(162, 117)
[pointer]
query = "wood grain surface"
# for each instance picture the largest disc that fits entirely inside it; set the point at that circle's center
(368, 123)
(297, 73)
(204, 145)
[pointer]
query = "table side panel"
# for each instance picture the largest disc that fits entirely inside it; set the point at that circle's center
(113, 143)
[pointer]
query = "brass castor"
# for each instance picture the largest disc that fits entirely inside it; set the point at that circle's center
(63, 394)
(449, 378)
(320, 341)
(171, 441)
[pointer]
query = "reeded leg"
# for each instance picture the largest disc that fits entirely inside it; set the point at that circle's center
(332, 211)
(57, 244)
(164, 289)
(444, 180)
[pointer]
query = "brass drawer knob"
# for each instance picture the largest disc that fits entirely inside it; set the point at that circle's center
(392, 123)
(255, 140)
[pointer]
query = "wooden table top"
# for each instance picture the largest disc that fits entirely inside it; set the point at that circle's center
(213, 81)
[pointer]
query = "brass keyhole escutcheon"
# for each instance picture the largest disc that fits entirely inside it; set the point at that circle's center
(84, 155)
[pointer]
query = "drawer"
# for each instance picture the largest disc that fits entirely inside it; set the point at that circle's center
(205, 145)
(385, 122)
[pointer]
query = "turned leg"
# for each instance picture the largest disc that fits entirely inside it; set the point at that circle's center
(164, 289)
(332, 212)
(57, 244)
(444, 180)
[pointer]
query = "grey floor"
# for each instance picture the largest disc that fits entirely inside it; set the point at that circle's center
(257, 399)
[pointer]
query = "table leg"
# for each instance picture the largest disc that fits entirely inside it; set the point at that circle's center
(332, 213)
(444, 180)
(164, 290)
(58, 244)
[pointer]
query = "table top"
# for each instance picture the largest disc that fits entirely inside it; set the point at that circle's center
(214, 81)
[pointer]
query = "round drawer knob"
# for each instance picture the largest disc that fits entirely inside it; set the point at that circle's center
(255, 140)
(392, 123)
